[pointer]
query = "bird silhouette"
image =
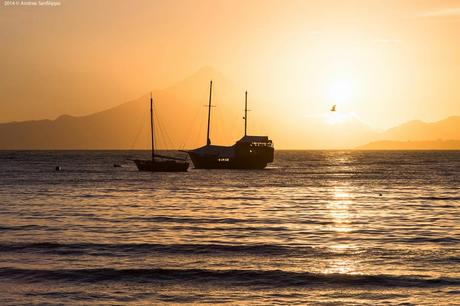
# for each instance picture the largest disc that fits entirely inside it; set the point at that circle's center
(333, 108)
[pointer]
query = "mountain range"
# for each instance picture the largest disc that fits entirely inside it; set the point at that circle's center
(419, 135)
(180, 122)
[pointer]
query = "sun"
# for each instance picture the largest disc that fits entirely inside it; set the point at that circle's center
(341, 91)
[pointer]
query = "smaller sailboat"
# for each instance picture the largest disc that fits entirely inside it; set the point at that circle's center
(160, 163)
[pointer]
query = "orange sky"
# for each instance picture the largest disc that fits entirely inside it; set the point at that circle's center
(383, 62)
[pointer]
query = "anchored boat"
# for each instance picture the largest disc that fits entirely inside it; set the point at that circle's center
(160, 163)
(250, 152)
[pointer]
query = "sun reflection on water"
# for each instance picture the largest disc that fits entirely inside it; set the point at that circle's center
(339, 210)
(341, 215)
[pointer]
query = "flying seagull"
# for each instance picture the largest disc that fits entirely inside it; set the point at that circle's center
(333, 108)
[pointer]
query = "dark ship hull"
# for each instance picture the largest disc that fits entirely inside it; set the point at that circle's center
(161, 166)
(251, 152)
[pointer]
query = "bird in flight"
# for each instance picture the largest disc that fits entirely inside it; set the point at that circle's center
(333, 108)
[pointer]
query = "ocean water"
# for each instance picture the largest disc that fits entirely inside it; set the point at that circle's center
(316, 227)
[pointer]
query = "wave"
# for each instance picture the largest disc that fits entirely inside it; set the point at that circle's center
(264, 278)
(149, 248)
(216, 249)
(201, 220)
(433, 198)
(438, 240)
(21, 227)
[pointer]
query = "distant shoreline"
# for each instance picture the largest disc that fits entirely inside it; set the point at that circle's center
(448, 145)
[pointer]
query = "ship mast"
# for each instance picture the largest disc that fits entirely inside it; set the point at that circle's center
(151, 128)
(208, 140)
(245, 113)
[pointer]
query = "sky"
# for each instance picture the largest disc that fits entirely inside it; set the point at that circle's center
(381, 62)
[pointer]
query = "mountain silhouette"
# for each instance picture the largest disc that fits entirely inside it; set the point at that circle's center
(180, 122)
(419, 135)
(180, 118)
(417, 130)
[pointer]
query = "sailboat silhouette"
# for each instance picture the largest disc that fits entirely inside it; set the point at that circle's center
(160, 163)
(250, 152)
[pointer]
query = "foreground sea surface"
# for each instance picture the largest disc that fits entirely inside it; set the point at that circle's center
(315, 227)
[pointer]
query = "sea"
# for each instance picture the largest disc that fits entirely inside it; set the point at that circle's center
(313, 228)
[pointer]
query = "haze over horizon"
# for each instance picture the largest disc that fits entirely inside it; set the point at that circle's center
(382, 64)
(340, 117)
(180, 122)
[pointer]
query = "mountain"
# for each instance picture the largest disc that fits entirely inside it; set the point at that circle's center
(419, 135)
(416, 130)
(180, 118)
(412, 145)
(180, 122)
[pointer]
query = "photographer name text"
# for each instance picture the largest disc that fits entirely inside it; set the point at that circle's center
(32, 3)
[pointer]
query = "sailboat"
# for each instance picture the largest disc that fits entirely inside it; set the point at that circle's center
(160, 163)
(250, 152)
